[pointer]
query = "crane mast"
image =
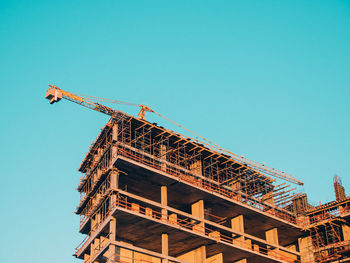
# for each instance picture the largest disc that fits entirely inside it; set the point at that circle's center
(55, 94)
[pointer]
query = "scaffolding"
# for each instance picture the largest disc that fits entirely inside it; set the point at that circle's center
(186, 159)
(325, 227)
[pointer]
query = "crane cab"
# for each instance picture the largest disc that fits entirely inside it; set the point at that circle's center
(53, 95)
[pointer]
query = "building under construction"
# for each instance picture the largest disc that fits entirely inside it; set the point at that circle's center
(149, 194)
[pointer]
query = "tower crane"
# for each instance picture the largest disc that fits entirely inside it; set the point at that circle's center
(55, 94)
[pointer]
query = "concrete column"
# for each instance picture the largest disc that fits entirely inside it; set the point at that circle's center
(303, 220)
(126, 255)
(97, 198)
(114, 179)
(95, 246)
(218, 258)
(287, 254)
(248, 244)
(140, 257)
(163, 157)
(115, 132)
(173, 219)
(113, 229)
(306, 249)
(113, 200)
(114, 152)
(215, 234)
(198, 211)
(197, 255)
(98, 219)
(114, 182)
(110, 254)
(165, 246)
(346, 232)
(149, 212)
(135, 207)
(268, 198)
(164, 201)
(196, 167)
(292, 247)
(113, 147)
(237, 224)
(235, 185)
(272, 238)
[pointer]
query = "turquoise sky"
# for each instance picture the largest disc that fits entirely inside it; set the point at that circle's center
(267, 79)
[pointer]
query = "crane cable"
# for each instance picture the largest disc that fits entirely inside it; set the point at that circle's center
(92, 99)
(253, 164)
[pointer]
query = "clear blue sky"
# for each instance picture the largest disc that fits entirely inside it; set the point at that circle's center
(267, 79)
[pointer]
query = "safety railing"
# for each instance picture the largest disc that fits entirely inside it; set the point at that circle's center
(324, 215)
